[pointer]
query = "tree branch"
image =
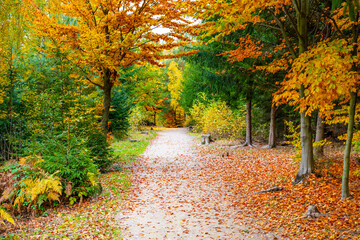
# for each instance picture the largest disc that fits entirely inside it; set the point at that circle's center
(267, 25)
(281, 25)
(333, 21)
(293, 23)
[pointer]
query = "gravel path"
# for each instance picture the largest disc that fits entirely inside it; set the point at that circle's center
(174, 196)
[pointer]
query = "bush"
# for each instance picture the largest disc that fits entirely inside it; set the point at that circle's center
(216, 118)
(27, 187)
(119, 116)
(137, 118)
(100, 151)
(72, 162)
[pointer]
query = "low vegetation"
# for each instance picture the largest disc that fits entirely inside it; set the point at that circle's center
(92, 216)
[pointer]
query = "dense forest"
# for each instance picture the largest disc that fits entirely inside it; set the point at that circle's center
(77, 76)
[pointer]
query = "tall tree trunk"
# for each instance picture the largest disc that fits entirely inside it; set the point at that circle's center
(272, 137)
(346, 168)
(345, 178)
(248, 138)
(106, 102)
(320, 129)
(307, 159)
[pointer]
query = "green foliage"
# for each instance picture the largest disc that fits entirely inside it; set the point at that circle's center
(119, 115)
(71, 160)
(100, 151)
(216, 118)
(137, 118)
(150, 94)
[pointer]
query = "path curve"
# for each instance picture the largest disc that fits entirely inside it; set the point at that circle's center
(174, 196)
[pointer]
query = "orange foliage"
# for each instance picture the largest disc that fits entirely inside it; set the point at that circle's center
(325, 72)
(246, 49)
(110, 35)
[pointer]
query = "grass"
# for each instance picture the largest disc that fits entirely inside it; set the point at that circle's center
(94, 218)
(126, 152)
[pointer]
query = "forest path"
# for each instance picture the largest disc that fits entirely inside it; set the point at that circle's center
(175, 196)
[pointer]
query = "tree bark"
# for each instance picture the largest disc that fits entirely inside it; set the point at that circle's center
(248, 138)
(307, 158)
(346, 168)
(320, 129)
(272, 137)
(106, 101)
(352, 110)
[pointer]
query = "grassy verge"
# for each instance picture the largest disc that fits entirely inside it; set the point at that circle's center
(94, 218)
(126, 152)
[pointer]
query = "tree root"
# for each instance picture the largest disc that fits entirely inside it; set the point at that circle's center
(275, 189)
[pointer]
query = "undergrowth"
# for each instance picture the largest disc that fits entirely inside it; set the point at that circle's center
(94, 217)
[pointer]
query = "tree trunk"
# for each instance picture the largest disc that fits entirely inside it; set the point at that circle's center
(346, 168)
(320, 128)
(155, 118)
(248, 138)
(307, 158)
(352, 111)
(272, 137)
(106, 102)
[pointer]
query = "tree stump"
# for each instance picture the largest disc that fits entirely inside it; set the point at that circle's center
(190, 128)
(313, 212)
(205, 139)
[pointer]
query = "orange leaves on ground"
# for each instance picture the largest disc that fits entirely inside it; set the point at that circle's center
(325, 72)
(250, 170)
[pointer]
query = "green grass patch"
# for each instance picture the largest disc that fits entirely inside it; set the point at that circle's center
(127, 152)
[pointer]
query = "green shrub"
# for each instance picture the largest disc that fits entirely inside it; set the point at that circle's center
(119, 116)
(27, 187)
(100, 151)
(73, 163)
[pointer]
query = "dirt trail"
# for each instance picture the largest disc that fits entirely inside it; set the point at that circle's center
(174, 196)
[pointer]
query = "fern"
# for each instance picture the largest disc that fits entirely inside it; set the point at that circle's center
(38, 190)
(92, 178)
(6, 216)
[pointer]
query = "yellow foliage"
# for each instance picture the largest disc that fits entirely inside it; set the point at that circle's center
(326, 74)
(294, 139)
(6, 216)
(175, 84)
(217, 119)
(92, 178)
(38, 190)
